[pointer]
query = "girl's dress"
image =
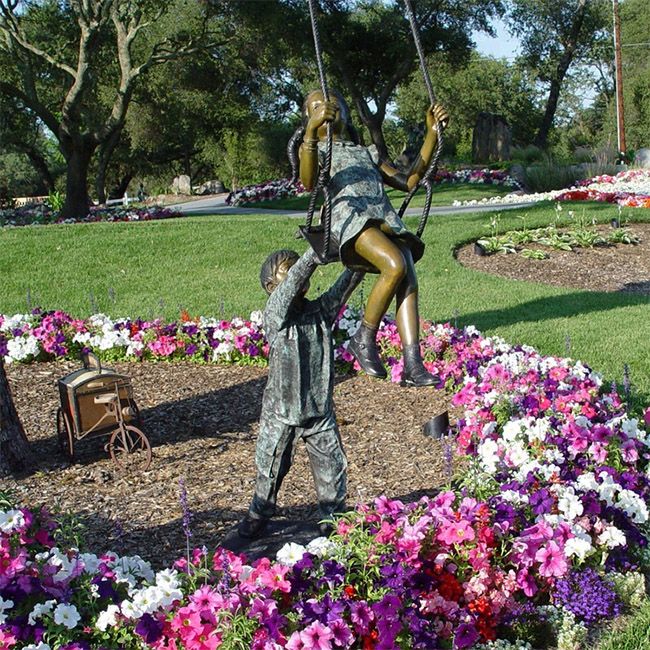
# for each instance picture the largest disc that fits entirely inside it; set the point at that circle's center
(359, 200)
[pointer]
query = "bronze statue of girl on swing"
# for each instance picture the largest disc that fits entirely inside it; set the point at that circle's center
(365, 228)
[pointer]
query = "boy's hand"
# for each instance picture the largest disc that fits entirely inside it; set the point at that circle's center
(437, 113)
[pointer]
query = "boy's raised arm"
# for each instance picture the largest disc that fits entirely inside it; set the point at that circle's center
(277, 306)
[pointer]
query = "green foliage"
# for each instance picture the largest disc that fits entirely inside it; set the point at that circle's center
(549, 175)
(55, 200)
(582, 235)
(484, 85)
(247, 157)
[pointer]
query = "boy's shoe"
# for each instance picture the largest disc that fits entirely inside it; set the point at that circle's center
(252, 527)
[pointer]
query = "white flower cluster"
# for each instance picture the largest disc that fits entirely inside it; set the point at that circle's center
(291, 552)
(149, 599)
(502, 644)
(65, 614)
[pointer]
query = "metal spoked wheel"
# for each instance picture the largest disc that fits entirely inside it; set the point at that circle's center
(130, 449)
(64, 433)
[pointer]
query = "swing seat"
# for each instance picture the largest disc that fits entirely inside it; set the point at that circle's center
(315, 237)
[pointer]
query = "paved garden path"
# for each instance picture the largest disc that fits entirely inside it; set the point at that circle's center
(217, 205)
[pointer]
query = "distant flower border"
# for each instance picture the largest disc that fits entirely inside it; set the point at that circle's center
(285, 187)
(629, 189)
(41, 215)
(549, 526)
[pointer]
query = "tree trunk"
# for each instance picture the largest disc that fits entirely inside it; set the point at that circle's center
(77, 200)
(14, 448)
(549, 114)
(123, 185)
(373, 124)
(105, 155)
(40, 164)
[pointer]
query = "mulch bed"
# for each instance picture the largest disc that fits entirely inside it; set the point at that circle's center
(202, 423)
(622, 267)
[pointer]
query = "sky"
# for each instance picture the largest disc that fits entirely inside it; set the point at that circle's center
(501, 46)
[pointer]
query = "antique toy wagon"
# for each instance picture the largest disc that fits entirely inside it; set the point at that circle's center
(98, 401)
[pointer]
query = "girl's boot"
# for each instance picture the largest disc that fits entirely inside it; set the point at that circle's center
(415, 374)
(363, 345)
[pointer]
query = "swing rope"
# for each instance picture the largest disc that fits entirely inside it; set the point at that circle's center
(322, 183)
(427, 178)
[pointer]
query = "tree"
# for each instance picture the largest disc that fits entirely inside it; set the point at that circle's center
(14, 448)
(484, 84)
(554, 35)
(21, 133)
(371, 74)
(60, 60)
(367, 44)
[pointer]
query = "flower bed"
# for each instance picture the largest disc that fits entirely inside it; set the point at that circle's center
(630, 189)
(285, 188)
(542, 541)
(38, 215)
(267, 191)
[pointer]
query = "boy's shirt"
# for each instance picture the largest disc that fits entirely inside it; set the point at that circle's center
(301, 357)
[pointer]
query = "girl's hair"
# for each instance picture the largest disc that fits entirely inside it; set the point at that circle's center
(296, 139)
(269, 270)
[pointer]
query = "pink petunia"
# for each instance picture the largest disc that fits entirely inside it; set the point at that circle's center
(456, 532)
(552, 560)
(317, 637)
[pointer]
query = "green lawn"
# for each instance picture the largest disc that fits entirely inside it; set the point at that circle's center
(209, 265)
(443, 194)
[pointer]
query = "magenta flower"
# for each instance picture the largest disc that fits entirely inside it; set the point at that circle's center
(456, 532)
(552, 560)
(317, 637)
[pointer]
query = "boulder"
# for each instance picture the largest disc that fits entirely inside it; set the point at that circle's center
(182, 185)
(491, 139)
(210, 187)
(642, 158)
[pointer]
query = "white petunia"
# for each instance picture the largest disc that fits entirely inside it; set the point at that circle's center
(579, 546)
(612, 537)
(40, 609)
(168, 578)
(608, 488)
(514, 497)
(516, 454)
(107, 618)
(290, 553)
(4, 605)
(570, 504)
(587, 481)
(489, 456)
(37, 646)
(90, 562)
(321, 546)
(11, 520)
(511, 430)
(66, 615)
(633, 506)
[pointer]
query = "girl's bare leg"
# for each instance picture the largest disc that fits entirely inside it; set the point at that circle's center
(375, 247)
(408, 315)
(385, 255)
(408, 325)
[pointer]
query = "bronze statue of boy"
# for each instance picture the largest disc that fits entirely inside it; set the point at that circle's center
(297, 400)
